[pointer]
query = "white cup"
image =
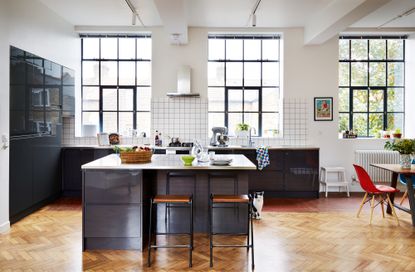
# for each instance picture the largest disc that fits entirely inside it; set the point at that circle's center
(211, 155)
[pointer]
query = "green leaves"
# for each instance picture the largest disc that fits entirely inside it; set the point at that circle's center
(403, 146)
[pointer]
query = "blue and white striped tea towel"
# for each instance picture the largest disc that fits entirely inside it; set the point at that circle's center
(262, 157)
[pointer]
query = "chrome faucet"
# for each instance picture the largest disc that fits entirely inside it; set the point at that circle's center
(250, 142)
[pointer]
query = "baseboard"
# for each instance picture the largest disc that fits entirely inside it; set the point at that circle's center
(4, 227)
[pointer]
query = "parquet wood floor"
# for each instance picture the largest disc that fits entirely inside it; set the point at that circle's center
(292, 240)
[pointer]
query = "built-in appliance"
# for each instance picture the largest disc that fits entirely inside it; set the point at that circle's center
(219, 136)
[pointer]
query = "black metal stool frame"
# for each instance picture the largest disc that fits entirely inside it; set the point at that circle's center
(168, 206)
(249, 234)
(155, 246)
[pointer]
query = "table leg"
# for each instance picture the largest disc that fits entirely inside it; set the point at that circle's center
(394, 181)
(411, 197)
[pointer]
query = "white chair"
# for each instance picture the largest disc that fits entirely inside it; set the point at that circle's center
(341, 178)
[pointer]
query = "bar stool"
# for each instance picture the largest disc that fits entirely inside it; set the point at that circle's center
(231, 199)
(170, 199)
(169, 180)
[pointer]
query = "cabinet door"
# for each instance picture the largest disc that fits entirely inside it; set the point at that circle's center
(113, 187)
(301, 170)
(72, 175)
(100, 153)
(21, 186)
(113, 220)
(46, 169)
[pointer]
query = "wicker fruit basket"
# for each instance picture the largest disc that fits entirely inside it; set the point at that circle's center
(142, 156)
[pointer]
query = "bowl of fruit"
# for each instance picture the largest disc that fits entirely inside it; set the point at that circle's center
(134, 154)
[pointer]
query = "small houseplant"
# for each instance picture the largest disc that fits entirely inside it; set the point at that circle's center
(405, 147)
(397, 134)
(242, 130)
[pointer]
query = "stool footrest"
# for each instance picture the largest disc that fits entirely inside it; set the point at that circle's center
(172, 246)
(230, 234)
(219, 245)
(172, 233)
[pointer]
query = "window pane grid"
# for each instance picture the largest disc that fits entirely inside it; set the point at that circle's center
(114, 63)
(375, 70)
(241, 63)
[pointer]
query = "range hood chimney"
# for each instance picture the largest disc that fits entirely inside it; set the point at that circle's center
(183, 83)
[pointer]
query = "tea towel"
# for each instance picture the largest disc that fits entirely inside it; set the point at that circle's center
(262, 157)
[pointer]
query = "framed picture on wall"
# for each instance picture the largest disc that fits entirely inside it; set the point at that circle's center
(323, 108)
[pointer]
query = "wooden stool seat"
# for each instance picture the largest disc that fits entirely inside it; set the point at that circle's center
(172, 199)
(230, 199)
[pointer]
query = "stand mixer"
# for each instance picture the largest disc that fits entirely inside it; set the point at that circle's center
(219, 137)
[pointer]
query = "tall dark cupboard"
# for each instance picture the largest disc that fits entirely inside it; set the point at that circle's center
(37, 104)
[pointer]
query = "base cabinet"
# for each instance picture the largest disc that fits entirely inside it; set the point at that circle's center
(291, 173)
(72, 160)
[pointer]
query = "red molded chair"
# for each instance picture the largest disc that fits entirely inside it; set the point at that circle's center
(374, 191)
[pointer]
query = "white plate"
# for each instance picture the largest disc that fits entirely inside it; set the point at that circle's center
(221, 162)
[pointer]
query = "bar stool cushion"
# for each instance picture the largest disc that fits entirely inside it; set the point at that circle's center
(172, 199)
(230, 199)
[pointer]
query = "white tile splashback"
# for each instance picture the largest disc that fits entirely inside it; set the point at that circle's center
(183, 117)
(187, 119)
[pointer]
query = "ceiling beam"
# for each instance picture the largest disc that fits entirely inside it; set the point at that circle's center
(173, 14)
(336, 17)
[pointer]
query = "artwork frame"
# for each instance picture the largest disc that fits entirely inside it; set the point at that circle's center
(323, 108)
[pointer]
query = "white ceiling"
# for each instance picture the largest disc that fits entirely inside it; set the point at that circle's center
(321, 19)
(221, 13)
(206, 13)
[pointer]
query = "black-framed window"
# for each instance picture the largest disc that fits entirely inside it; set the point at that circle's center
(371, 84)
(116, 82)
(244, 82)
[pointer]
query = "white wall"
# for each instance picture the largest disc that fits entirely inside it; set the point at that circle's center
(4, 118)
(308, 72)
(34, 28)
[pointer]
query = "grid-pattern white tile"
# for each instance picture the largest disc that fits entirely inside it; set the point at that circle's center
(187, 118)
(183, 117)
(295, 131)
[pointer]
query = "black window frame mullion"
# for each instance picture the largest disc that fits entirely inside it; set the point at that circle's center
(101, 87)
(384, 88)
(243, 88)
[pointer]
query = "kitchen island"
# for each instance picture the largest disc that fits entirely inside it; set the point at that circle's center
(116, 198)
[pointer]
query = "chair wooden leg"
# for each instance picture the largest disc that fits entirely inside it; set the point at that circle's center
(372, 207)
(405, 195)
(381, 205)
(393, 209)
(361, 205)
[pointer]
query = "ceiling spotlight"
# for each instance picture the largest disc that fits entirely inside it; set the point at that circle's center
(134, 19)
(253, 13)
(254, 20)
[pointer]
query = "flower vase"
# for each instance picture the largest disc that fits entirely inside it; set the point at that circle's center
(405, 161)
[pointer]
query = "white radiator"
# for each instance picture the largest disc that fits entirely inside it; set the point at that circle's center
(366, 157)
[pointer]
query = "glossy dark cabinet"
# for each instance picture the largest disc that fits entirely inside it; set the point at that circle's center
(291, 173)
(72, 160)
(36, 97)
(41, 92)
(34, 174)
(113, 209)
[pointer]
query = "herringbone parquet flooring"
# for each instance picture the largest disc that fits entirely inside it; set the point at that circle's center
(329, 240)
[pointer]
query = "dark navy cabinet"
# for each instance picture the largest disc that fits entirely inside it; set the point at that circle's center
(293, 172)
(36, 110)
(72, 160)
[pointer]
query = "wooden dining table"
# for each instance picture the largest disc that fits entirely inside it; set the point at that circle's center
(407, 173)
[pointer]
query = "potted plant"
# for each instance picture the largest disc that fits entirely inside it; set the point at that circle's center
(397, 134)
(242, 130)
(405, 147)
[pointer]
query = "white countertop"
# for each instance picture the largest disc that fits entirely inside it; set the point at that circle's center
(169, 162)
(236, 147)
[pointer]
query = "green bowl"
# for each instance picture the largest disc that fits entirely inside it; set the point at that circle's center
(188, 159)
